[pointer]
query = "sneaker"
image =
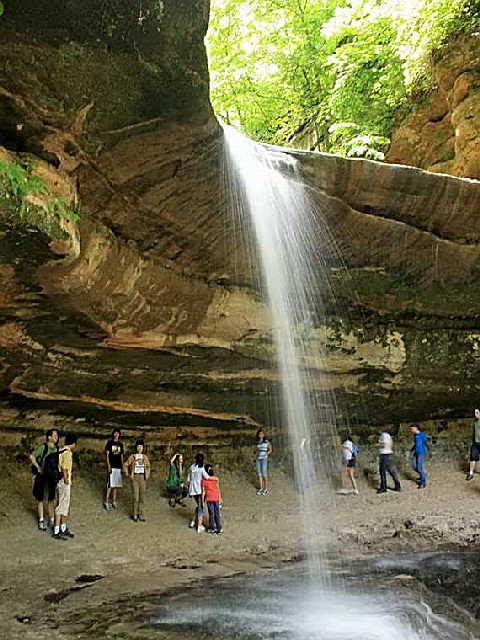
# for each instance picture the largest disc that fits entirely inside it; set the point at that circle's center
(266, 492)
(135, 518)
(67, 534)
(42, 525)
(171, 502)
(219, 532)
(106, 506)
(355, 492)
(398, 489)
(141, 519)
(192, 524)
(114, 504)
(382, 490)
(260, 492)
(469, 476)
(201, 529)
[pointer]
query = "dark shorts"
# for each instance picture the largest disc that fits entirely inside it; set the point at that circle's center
(475, 452)
(43, 490)
(350, 464)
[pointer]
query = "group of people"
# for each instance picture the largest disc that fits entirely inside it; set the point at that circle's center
(203, 485)
(52, 467)
(386, 466)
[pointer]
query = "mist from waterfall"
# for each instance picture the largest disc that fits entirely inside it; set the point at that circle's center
(268, 196)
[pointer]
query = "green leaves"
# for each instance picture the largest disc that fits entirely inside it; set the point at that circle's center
(17, 182)
(279, 67)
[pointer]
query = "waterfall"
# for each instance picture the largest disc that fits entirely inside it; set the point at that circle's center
(267, 195)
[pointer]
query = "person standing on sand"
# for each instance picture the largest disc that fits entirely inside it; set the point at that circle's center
(114, 460)
(418, 452)
(263, 449)
(385, 444)
(475, 448)
(137, 467)
(63, 491)
(348, 464)
(196, 474)
(213, 498)
(43, 492)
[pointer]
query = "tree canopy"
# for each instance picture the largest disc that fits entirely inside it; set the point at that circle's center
(326, 74)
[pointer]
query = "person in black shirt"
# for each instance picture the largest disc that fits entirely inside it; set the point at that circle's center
(114, 459)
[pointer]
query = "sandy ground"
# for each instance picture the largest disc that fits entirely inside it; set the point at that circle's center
(41, 594)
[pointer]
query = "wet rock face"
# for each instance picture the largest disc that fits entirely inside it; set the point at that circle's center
(441, 133)
(145, 314)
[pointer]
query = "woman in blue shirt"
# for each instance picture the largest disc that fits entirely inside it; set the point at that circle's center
(263, 449)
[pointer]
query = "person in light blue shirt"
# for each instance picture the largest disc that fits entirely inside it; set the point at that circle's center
(418, 452)
(262, 450)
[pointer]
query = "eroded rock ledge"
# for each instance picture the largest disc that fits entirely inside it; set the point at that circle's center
(145, 313)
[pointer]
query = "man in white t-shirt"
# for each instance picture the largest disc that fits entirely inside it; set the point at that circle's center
(385, 449)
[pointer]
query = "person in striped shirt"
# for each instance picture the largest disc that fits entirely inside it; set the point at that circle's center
(262, 450)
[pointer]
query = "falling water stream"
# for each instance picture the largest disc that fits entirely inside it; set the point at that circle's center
(267, 195)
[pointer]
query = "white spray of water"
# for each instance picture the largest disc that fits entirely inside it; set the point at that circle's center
(266, 191)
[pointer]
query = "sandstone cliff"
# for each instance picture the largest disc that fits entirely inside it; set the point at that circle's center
(441, 132)
(143, 313)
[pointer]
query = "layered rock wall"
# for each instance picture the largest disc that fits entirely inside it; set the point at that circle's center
(145, 313)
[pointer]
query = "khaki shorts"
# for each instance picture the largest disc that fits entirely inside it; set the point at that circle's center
(62, 499)
(115, 479)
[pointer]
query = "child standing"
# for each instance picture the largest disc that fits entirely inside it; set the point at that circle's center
(262, 450)
(348, 464)
(137, 467)
(114, 460)
(211, 495)
(196, 474)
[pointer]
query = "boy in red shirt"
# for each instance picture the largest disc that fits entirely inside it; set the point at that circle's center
(211, 495)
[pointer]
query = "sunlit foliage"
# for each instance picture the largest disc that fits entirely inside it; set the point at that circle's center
(330, 72)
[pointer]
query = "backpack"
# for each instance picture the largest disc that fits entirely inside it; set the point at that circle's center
(354, 450)
(51, 470)
(40, 460)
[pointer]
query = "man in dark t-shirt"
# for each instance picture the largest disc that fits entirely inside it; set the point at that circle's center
(114, 459)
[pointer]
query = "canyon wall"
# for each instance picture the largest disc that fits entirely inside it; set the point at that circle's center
(440, 132)
(143, 313)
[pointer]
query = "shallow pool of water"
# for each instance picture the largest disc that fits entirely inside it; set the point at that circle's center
(287, 605)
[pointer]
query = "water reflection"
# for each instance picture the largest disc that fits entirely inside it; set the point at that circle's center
(280, 606)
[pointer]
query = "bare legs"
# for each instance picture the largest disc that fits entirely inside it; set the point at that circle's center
(113, 493)
(348, 478)
(50, 509)
(263, 483)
